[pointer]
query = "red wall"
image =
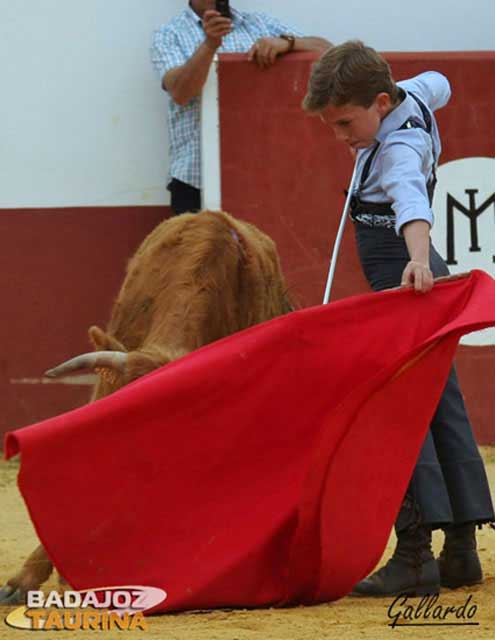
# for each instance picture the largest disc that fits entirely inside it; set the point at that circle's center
(60, 272)
(283, 170)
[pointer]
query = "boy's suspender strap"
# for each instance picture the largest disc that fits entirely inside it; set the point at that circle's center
(424, 111)
(367, 166)
(410, 123)
(428, 127)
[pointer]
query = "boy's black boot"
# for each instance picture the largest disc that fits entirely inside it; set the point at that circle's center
(412, 569)
(458, 562)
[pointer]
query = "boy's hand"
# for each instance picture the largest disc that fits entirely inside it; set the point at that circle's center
(417, 272)
(418, 275)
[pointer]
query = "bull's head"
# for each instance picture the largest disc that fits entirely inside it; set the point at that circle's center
(115, 365)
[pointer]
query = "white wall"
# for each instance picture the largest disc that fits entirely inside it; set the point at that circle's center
(81, 111)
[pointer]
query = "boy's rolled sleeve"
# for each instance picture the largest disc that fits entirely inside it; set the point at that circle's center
(166, 53)
(434, 88)
(405, 184)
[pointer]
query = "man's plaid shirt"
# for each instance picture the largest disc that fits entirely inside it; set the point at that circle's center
(173, 44)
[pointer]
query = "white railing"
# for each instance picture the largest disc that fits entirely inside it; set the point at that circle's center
(211, 197)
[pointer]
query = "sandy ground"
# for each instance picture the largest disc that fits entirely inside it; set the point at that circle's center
(346, 619)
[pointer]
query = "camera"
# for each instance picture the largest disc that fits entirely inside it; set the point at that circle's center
(223, 7)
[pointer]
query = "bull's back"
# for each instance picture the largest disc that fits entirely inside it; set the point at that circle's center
(197, 278)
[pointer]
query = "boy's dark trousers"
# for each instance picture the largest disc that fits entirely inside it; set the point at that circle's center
(449, 483)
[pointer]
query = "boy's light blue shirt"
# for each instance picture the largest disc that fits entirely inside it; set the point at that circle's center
(403, 164)
(172, 46)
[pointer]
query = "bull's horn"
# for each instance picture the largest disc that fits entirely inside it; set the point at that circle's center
(112, 359)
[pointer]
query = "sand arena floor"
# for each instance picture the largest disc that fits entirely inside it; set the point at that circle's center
(346, 619)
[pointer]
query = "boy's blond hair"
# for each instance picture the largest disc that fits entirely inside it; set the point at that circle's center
(350, 73)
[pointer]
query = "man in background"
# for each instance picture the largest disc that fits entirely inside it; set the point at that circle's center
(182, 52)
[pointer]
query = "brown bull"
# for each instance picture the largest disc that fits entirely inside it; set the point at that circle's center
(194, 279)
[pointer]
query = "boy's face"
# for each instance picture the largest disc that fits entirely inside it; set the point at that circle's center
(355, 125)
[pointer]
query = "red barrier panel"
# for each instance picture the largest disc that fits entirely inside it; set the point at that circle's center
(61, 269)
(285, 172)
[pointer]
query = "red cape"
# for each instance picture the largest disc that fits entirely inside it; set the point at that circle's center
(264, 469)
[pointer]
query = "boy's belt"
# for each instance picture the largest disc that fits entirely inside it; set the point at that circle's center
(372, 214)
(380, 214)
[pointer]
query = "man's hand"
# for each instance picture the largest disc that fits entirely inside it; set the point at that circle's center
(215, 27)
(418, 275)
(265, 51)
(186, 81)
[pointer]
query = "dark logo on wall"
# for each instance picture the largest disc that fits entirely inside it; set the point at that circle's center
(472, 212)
(464, 228)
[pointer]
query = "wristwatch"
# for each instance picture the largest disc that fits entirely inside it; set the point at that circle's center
(290, 39)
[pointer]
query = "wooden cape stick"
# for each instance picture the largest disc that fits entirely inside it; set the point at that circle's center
(338, 239)
(441, 279)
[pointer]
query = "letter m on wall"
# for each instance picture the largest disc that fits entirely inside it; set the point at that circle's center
(472, 212)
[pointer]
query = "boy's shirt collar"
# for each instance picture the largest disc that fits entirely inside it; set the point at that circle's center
(396, 118)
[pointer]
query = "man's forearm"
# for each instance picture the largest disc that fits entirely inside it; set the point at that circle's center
(312, 43)
(186, 82)
(417, 237)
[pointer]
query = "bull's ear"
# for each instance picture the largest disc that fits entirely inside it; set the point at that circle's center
(104, 342)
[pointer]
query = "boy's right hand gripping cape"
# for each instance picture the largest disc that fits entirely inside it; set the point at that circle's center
(265, 469)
